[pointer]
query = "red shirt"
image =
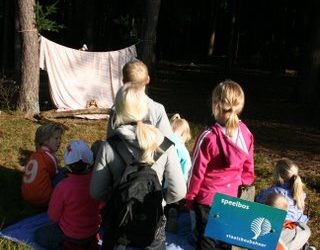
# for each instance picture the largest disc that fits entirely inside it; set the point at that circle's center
(36, 181)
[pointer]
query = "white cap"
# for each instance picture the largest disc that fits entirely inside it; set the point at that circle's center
(77, 150)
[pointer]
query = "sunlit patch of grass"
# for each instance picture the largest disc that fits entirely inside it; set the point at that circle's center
(9, 245)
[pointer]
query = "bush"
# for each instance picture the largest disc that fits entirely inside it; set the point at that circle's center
(8, 93)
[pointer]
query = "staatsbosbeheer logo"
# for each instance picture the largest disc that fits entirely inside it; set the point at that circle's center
(243, 223)
(260, 226)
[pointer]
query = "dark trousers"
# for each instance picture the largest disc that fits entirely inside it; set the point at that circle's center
(202, 213)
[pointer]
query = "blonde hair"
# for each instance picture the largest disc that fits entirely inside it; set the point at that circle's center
(135, 72)
(180, 126)
(227, 104)
(286, 171)
(278, 201)
(44, 133)
(131, 107)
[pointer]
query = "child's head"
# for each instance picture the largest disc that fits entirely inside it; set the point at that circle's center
(136, 72)
(78, 156)
(278, 201)
(131, 108)
(181, 127)
(130, 104)
(48, 135)
(287, 172)
(227, 104)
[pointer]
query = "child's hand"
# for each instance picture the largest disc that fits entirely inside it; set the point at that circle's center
(189, 205)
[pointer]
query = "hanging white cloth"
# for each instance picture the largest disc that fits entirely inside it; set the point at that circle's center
(77, 77)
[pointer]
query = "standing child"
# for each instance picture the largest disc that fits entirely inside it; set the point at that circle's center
(181, 135)
(222, 158)
(288, 183)
(42, 168)
(75, 214)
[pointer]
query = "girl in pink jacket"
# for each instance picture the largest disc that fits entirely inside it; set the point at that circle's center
(222, 158)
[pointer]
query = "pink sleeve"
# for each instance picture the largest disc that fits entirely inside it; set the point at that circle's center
(201, 156)
(247, 175)
(56, 203)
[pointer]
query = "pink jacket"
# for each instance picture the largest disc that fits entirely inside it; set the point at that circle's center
(73, 209)
(219, 165)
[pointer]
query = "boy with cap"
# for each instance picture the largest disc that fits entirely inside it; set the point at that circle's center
(74, 213)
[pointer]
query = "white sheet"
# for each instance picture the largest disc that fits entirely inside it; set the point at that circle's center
(77, 77)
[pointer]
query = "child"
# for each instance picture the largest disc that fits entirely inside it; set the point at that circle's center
(137, 73)
(181, 135)
(42, 168)
(288, 183)
(74, 213)
(142, 140)
(222, 158)
(279, 201)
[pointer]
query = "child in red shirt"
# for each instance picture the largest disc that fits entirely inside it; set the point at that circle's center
(42, 167)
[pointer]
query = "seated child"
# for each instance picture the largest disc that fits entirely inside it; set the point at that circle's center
(288, 183)
(39, 174)
(290, 236)
(74, 213)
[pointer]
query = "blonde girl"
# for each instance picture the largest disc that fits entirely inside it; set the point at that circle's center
(222, 158)
(142, 140)
(288, 183)
(181, 135)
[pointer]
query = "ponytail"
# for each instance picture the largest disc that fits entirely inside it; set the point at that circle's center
(148, 137)
(286, 171)
(232, 123)
(297, 191)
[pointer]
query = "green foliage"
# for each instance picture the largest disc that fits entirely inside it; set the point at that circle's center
(9, 90)
(9, 245)
(42, 18)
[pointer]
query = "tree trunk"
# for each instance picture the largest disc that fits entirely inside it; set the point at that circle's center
(310, 89)
(29, 92)
(17, 46)
(214, 20)
(150, 33)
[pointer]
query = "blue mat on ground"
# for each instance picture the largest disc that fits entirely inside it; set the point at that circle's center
(23, 231)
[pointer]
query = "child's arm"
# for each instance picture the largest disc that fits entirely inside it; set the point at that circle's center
(247, 176)
(101, 181)
(201, 157)
(56, 204)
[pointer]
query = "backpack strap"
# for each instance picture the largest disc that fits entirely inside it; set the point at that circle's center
(164, 146)
(119, 146)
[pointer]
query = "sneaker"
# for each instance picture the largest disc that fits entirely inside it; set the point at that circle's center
(311, 248)
(172, 221)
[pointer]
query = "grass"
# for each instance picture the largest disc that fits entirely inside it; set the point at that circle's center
(16, 140)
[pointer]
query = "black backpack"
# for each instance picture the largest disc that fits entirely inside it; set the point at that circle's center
(136, 201)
